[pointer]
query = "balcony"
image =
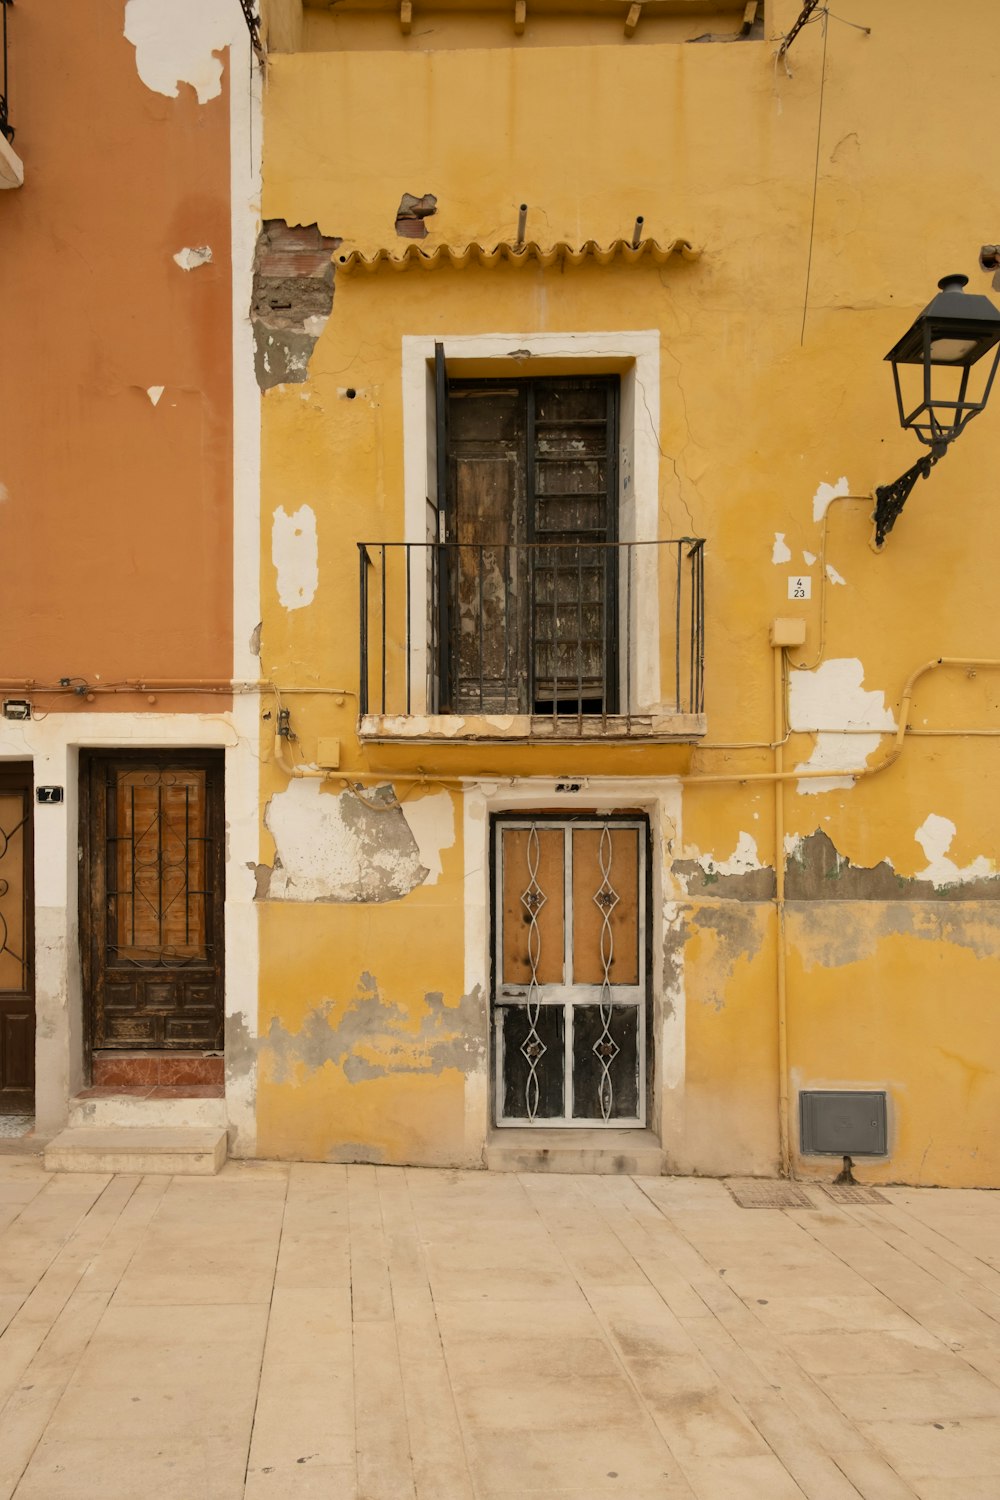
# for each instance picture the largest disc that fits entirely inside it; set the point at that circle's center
(543, 641)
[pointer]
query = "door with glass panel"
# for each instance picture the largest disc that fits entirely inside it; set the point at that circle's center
(153, 840)
(570, 969)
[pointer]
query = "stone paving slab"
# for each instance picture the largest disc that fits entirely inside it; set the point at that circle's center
(376, 1333)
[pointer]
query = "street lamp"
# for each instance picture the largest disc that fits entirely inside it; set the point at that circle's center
(942, 380)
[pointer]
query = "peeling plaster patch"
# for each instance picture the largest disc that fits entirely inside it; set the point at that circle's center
(831, 699)
(742, 876)
(833, 575)
(372, 1037)
(292, 299)
(411, 214)
(780, 553)
(826, 493)
(809, 558)
(817, 871)
(154, 392)
(334, 848)
(739, 928)
(675, 935)
(295, 555)
(176, 41)
(255, 638)
(935, 836)
(823, 939)
(241, 1047)
(432, 823)
(193, 256)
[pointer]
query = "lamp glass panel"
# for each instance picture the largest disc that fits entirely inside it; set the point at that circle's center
(951, 351)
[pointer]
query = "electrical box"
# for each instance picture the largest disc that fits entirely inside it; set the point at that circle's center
(328, 754)
(842, 1122)
(788, 631)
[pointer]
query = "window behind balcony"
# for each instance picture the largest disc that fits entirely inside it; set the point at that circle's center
(527, 602)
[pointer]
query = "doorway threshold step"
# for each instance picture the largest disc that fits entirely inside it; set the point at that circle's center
(176, 1150)
(623, 1153)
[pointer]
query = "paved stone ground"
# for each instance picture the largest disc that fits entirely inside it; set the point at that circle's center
(363, 1333)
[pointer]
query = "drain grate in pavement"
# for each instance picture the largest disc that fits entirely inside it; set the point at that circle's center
(761, 1192)
(850, 1192)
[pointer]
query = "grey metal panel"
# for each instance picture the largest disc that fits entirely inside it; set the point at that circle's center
(842, 1122)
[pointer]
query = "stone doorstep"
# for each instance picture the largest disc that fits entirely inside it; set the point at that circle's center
(178, 1150)
(148, 1109)
(623, 1153)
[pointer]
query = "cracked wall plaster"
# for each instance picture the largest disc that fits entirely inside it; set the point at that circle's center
(331, 847)
(293, 283)
(176, 41)
(831, 699)
(373, 1036)
(295, 555)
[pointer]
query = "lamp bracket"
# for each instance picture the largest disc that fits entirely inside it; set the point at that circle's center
(890, 498)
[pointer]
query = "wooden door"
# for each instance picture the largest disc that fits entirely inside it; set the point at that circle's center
(17, 990)
(152, 907)
(570, 971)
(531, 507)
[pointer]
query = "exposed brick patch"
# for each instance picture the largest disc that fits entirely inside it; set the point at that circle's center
(292, 299)
(411, 214)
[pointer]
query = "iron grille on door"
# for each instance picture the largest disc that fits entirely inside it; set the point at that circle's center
(570, 971)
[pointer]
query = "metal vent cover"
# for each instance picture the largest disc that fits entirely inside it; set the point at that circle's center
(760, 1192)
(843, 1122)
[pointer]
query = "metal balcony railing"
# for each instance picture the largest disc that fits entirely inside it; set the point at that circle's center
(569, 631)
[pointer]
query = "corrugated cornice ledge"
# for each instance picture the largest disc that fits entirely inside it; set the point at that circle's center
(511, 254)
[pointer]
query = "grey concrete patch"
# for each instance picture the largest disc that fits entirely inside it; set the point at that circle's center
(374, 1036)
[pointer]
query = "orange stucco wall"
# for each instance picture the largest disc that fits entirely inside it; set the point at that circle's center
(111, 500)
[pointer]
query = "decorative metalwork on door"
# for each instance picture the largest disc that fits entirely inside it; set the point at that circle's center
(17, 1001)
(155, 913)
(570, 971)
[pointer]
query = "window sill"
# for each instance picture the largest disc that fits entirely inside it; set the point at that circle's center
(424, 729)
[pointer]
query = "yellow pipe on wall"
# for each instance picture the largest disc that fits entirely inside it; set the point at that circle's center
(784, 1150)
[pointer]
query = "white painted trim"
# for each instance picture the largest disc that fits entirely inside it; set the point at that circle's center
(242, 769)
(661, 801)
(638, 468)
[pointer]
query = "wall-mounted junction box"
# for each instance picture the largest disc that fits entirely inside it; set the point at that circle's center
(842, 1122)
(788, 631)
(328, 754)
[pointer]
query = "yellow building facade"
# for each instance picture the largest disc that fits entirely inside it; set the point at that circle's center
(615, 810)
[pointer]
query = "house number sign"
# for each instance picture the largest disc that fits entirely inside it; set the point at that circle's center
(48, 794)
